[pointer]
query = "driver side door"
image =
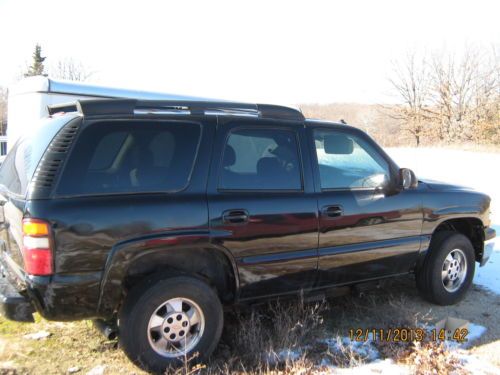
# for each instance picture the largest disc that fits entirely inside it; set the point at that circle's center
(365, 232)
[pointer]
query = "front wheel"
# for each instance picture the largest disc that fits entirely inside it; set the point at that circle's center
(448, 270)
(164, 322)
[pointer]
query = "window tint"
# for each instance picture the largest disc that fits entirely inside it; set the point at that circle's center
(261, 159)
(116, 157)
(107, 149)
(348, 161)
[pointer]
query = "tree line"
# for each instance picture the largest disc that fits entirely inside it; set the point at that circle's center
(66, 68)
(449, 98)
(443, 98)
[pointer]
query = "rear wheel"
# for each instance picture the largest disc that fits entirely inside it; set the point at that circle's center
(448, 270)
(164, 322)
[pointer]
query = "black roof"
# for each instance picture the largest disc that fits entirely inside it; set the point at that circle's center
(103, 107)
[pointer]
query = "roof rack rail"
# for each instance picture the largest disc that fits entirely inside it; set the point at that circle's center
(99, 107)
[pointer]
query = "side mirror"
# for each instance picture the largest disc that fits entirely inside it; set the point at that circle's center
(407, 179)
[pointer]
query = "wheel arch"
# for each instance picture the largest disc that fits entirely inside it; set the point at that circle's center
(471, 227)
(130, 263)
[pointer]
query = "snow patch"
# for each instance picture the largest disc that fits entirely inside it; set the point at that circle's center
(97, 370)
(364, 349)
(475, 365)
(369, 354)
(283, 356)
(37, 335)
(488, 276)
(386, 366)
(475, 331)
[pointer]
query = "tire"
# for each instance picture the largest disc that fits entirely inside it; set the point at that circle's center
(446, 283)
(157, 314)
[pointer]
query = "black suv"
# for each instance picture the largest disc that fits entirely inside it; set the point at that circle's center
(155, 214)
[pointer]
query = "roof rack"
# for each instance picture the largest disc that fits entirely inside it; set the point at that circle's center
(99, 107)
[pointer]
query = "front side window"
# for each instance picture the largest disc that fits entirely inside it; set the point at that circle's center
(261, 159)
(128, 157)
(347, 161)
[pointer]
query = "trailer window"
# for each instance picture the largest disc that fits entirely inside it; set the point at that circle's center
(9, 177)
(20, 163)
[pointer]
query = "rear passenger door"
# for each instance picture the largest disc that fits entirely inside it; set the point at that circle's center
(262, 206)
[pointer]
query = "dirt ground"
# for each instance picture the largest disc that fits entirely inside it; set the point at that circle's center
(77, 346)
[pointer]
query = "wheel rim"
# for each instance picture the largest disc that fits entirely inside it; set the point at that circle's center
(454, 270)
(175, 327)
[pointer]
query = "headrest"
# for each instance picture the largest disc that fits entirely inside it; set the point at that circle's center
(142, 157)
(229, 156)
(338, 144)
(268, 165)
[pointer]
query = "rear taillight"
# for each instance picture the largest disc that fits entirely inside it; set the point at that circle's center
(37, 248)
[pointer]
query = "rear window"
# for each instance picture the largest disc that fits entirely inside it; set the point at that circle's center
(20, 163)
(128, 157)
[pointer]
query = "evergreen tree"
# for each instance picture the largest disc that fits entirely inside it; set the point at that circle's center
(36, 68)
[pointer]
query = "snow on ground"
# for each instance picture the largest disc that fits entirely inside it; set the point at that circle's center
(373, 364)
(488, 276)
(475, 365)
(365, 349)
(478, 170)
(474, 332)
(386, 366)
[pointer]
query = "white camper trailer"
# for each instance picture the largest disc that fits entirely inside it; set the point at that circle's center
(29, 98)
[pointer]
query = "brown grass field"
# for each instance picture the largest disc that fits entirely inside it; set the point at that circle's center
(253, 335)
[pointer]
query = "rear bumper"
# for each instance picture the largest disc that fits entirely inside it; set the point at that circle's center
(489, 235)
(13, 305)
(57, 297)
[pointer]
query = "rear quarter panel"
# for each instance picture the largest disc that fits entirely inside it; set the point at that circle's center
(88, 229)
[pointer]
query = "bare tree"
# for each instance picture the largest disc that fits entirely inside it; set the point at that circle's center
(449, 97)
(485, 114)
(412, 83)
(465, 93)
(453, 87)
(70, 69)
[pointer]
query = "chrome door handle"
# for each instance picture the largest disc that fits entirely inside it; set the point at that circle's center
(332, 211)
(235, 217)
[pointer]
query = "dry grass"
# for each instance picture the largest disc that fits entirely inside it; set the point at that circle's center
(268, 338)
(279, 338)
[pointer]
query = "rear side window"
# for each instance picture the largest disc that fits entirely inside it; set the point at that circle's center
(128, 157)
(261, 159)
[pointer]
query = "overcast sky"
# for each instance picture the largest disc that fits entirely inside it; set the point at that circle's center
(268, 51)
